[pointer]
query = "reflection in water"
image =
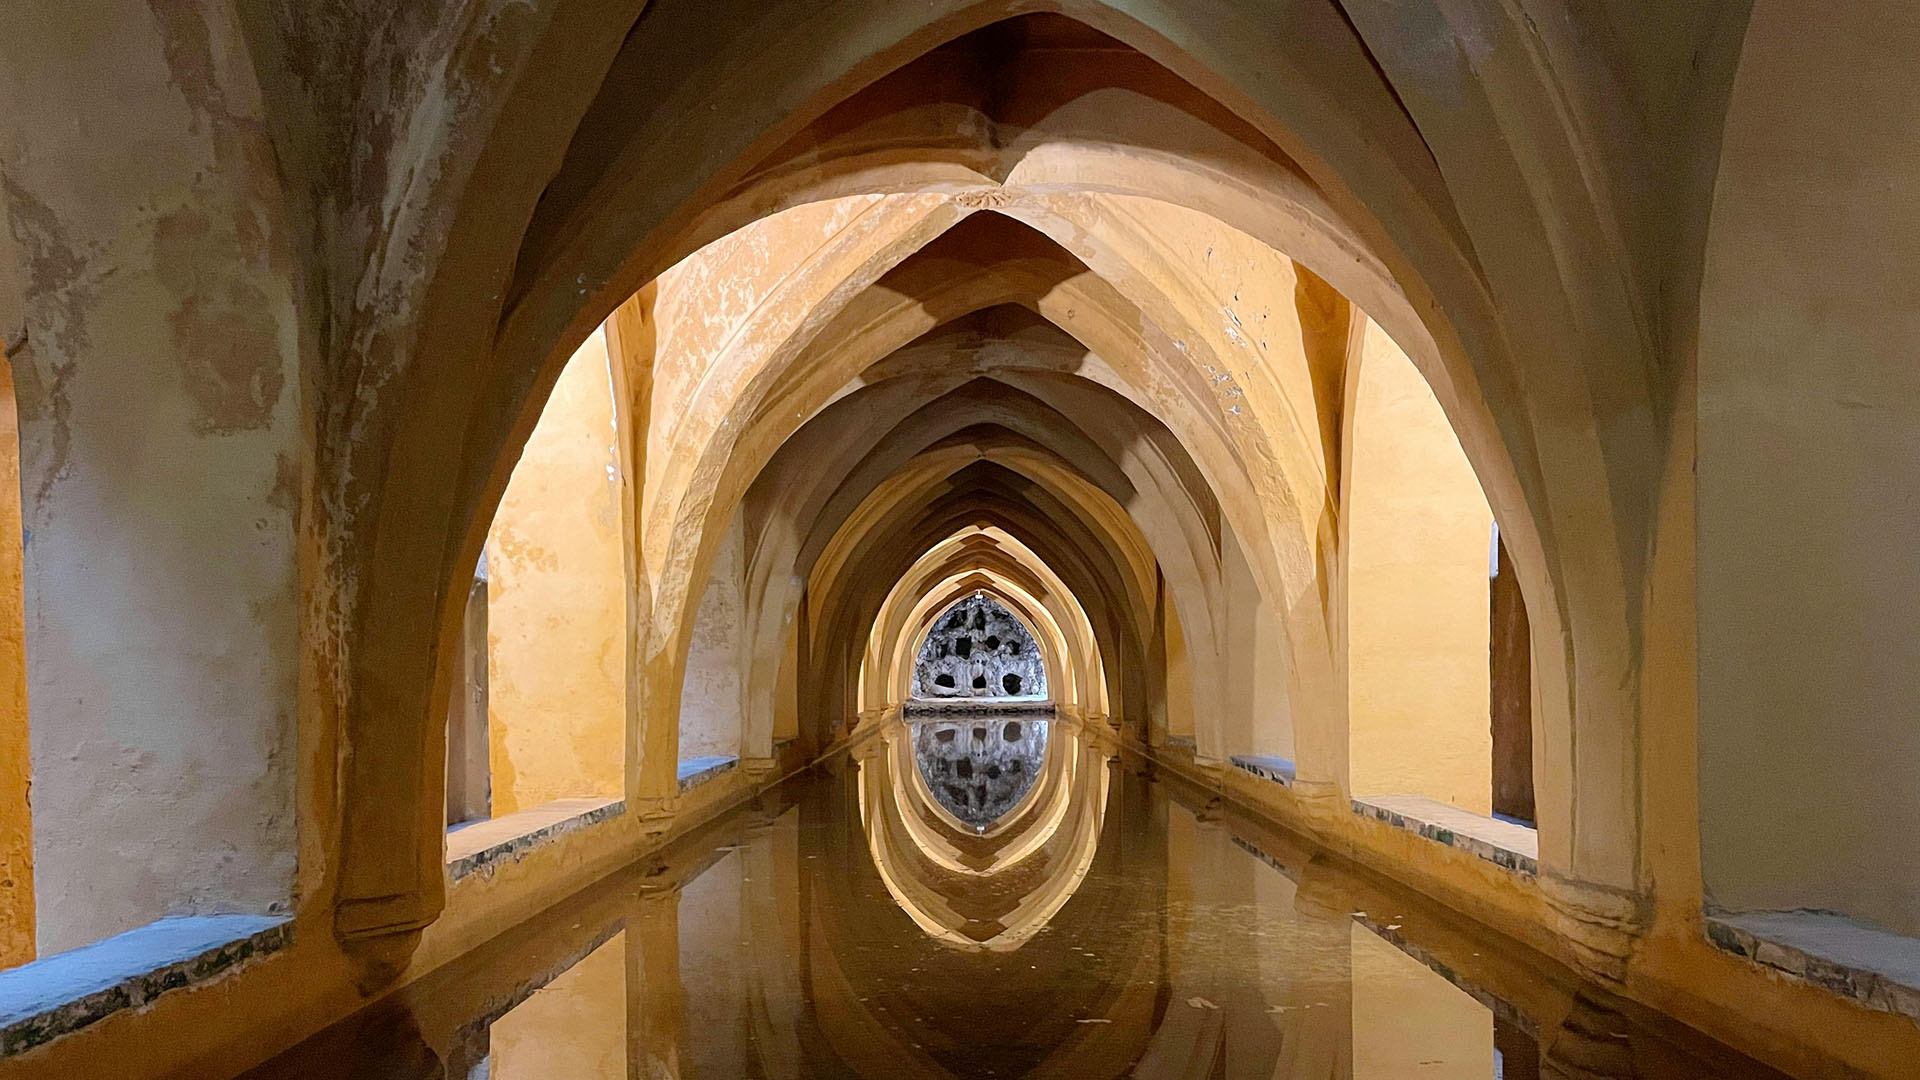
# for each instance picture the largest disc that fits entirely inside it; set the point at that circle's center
(980, 769)
(1112, 924)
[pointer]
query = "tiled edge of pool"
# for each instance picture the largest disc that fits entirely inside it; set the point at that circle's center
(1877, 968)
(1502, 843)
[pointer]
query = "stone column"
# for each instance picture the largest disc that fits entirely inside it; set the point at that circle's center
(469, 791)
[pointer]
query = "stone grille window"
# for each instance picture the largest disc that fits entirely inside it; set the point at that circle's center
(978, 650)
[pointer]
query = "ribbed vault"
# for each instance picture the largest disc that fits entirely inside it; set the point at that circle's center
(918, 324)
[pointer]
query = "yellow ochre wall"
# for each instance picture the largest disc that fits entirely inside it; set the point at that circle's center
(1419, 532)
(557, 608)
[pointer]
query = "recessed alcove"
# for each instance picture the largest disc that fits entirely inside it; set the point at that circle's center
(537, 708)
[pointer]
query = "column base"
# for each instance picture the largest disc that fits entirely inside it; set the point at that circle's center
(1600, 925)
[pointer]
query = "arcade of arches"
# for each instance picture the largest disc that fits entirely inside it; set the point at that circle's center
(1052, 463)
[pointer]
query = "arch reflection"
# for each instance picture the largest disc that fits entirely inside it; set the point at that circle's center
(982, 862)
(1116, 923)
(979, 770)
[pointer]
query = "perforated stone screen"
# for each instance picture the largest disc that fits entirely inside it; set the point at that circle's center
(977, 649)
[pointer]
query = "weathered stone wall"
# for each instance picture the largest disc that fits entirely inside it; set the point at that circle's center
(161, 428)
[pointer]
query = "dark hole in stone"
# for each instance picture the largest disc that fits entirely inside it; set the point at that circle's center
(993, 772)
(979, 734)
(979, 620)
(945, 649)
(943, 679)
(1013, 648)
(963, 646)
(963, 768)
(1012, 683)
(979, 682)
(1012, 730)
(992, 642)
(1014, 765)
(945, 735)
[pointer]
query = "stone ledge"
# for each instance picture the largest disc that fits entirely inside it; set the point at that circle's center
(1877, 968)
(936, 709)
(484, 844)
(696, 771)
(1502, 843)
(1277, 769)
(43, 1000)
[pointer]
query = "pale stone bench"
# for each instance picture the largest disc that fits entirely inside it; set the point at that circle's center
(1266, 767)
(698, 770)
(478, 845)
(1506, 844)
(1877, 968)
(63, 993)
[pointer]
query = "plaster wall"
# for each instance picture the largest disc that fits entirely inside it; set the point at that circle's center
(160, 413)
(710, 698)
(1809, 458)
(557, 604)
(573, 1028)
(1418, 535)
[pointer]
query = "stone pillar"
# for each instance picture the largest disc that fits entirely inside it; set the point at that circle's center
(469, 794)
(16, 765)
(652, 743)
(1511, 692)
(653, 789)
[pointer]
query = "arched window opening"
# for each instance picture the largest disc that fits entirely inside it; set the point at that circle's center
(469, 774)
(978, 650)
(1439, 667)
(537, 711)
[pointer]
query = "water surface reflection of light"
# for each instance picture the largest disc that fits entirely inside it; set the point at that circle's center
(1116, 922)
